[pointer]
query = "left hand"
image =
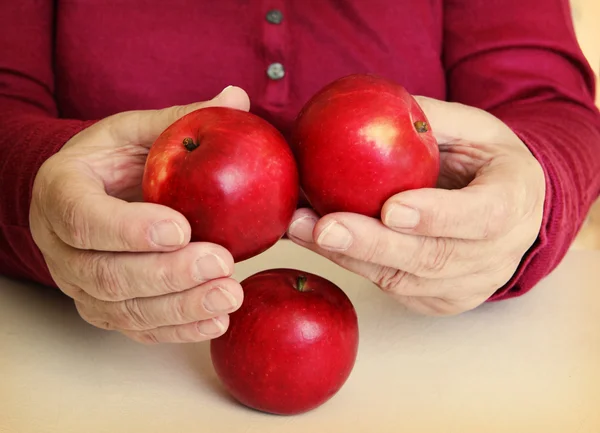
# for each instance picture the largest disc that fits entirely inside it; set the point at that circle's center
(445, 250)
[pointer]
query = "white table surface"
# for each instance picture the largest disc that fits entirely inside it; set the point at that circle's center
(530, 364)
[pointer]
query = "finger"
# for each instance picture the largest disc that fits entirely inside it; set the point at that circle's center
(432, 297)
(121, 276)
(475, 212)
(144, 127)
(452, 122)
(367, 239)
(395, 281)
(422, 295)
(85, 217)
(488, 208)
(188, 333)
(302, 225)
(200, 303)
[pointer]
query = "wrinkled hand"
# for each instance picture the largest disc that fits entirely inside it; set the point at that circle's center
(444, 250)
(129, 265)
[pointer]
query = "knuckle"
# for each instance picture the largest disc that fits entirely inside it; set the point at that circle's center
(170, 114)
(75, 228)
(497, 218)
(112, 124)
(109, 284)
(433, 261)
(176, 112)
(59, 271)
(166, 277)
(121, 228)
(131, 316)
(438, 221)
(182, 334)
(391, 280)
(441, 307)
(180, 309)
(85, 313)
(444, 308)
(374, 250)
(74, 291)
(74, 267)
(103, 324)
(146, 337)
(189, 334)
(162, 112)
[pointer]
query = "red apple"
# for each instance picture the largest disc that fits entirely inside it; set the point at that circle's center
(292, 344)
(230, 173)
(360, 140)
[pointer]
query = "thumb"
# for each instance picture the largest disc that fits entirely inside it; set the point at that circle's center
(144, 126)
(453, 122)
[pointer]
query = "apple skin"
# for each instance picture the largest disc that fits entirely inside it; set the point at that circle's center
(287, 351)
(239, 188)
(357, 143)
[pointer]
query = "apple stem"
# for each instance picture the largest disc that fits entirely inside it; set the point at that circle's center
(301, 283)
(421, 126)
(189, 144)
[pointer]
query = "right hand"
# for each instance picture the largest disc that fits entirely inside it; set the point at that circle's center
(129, 265)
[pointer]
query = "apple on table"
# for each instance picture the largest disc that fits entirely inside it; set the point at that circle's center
(292, 344)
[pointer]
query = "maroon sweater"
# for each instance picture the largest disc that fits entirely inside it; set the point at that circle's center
(65, 64)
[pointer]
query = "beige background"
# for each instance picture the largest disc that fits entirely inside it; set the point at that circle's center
(528, 365)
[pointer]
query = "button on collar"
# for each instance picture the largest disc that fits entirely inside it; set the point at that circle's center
(274, 16)
(276, 71)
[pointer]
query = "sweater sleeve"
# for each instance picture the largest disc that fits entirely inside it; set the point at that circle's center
(30, 128)
(520, 60)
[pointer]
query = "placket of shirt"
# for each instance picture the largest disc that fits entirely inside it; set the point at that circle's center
(275, 47)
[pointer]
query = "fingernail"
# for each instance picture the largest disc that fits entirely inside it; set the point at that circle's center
(167, 234)
(211, 327)
(210, 266)
(335, 236)
(402, 217)
(219, 300)
(302, 228)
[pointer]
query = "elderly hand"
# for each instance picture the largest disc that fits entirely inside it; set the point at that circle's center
(445, 250)
(130, 266)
